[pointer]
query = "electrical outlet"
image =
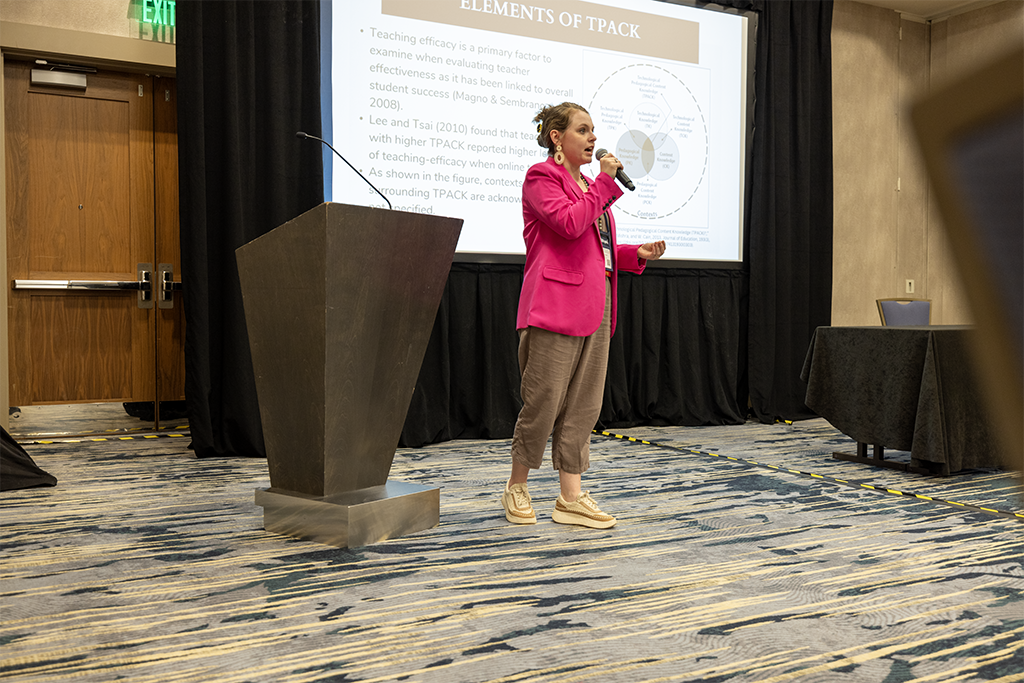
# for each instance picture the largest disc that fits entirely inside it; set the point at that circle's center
(910, 286)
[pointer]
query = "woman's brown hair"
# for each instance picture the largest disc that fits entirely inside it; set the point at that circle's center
(554, 117)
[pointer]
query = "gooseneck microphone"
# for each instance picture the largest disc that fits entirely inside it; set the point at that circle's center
(620, 175)
(303, 136)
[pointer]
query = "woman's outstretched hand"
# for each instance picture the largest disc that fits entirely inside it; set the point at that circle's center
(651, 251)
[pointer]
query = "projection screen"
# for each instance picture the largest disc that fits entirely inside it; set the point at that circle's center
(433, 101)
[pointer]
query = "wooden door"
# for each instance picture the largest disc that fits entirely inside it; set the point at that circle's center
(89, 198)
(170, 319)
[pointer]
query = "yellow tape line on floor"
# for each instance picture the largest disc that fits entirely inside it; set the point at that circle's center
(881, 489)
(104, 438)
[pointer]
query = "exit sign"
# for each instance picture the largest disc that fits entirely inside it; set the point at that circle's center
(158, 12)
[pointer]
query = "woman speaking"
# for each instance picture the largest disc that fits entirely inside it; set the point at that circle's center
(566, 312)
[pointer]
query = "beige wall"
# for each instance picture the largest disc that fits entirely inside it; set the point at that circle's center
(962, 42)
(108, 18)
(102, 17)
(887, 229)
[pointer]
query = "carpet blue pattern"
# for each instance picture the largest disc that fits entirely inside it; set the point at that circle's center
(147, 564)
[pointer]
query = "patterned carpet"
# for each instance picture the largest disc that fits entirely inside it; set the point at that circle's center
(146, 564)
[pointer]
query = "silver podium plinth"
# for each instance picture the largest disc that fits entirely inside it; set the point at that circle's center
(339, 306)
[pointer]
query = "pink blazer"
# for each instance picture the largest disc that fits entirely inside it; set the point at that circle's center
(564, 279)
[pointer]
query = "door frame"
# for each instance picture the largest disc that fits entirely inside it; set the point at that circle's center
(89, 49)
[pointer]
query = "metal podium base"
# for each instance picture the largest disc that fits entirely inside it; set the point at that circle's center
(353, 518)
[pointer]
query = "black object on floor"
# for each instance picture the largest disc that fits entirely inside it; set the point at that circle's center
(169, 410)
(18, 470)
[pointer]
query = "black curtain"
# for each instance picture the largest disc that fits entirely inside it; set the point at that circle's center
(248, 75)
(789, 241)
(468, 386)
(678, 355)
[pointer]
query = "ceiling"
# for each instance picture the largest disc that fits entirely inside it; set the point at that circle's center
(930, 9)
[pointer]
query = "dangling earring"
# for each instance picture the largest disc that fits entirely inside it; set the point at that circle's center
(559, 156)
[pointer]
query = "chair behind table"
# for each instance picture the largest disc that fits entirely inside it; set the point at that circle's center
(905, 311)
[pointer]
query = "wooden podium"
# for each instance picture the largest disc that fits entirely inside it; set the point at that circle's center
(339, 306)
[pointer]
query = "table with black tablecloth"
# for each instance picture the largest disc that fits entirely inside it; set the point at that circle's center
(905, 388)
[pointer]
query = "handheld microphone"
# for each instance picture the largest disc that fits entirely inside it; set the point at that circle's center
(620, 175)
(302, 136)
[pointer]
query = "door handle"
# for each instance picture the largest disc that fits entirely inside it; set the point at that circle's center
(165, 276)
(143, 285)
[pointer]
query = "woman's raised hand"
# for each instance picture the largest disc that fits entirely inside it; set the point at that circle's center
(610, 165)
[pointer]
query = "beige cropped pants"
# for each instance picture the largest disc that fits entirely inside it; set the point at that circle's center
(562, 390)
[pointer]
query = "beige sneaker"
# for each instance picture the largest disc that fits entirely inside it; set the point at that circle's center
(518, 504)
(582, 511)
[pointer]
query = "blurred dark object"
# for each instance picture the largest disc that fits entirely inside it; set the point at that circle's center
(17, 469)
(169, 410)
